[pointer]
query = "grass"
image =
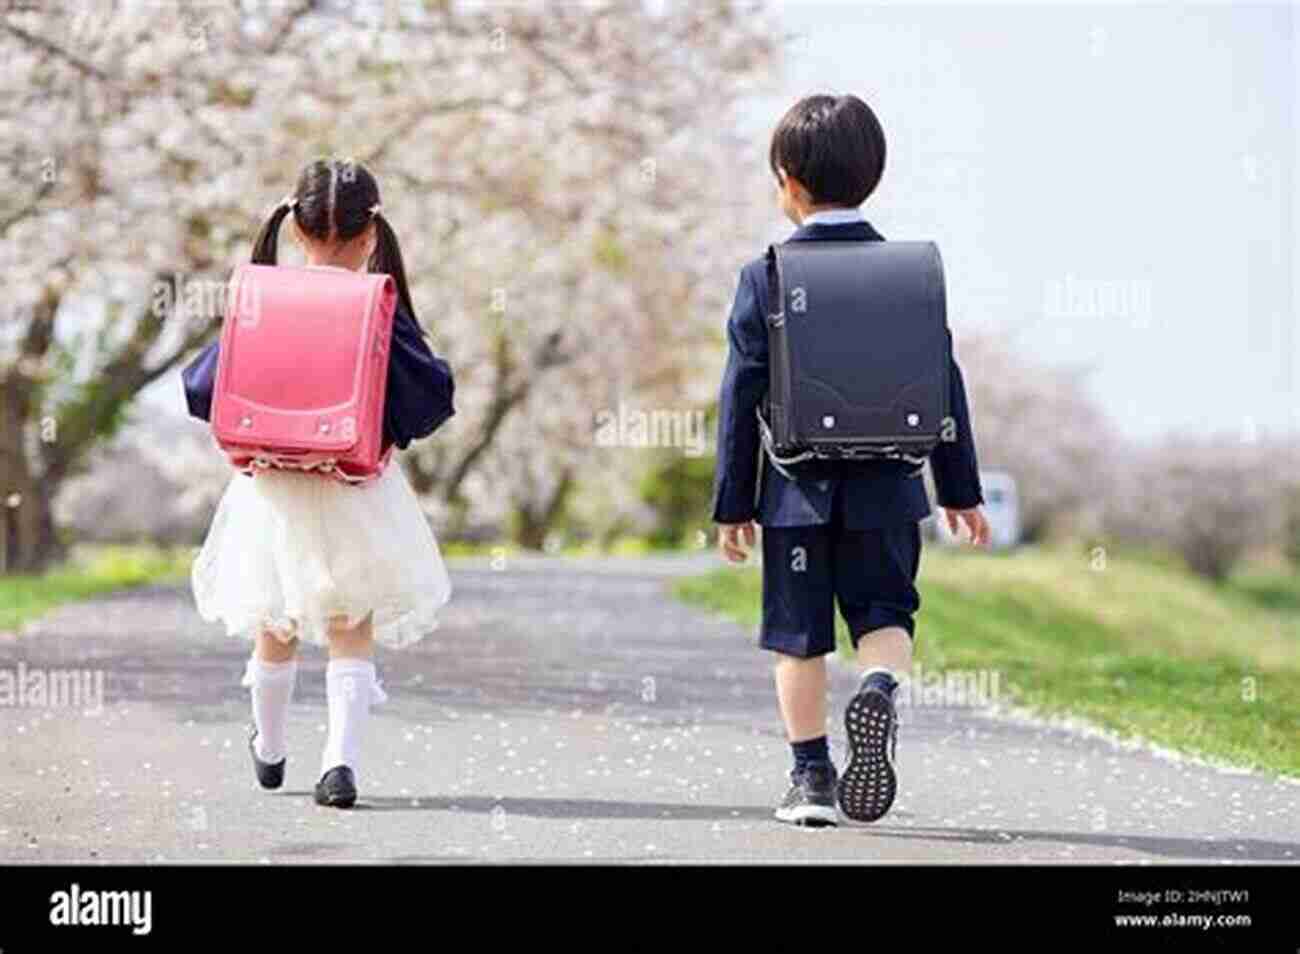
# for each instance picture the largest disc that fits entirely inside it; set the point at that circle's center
(1139, 647)
(1276, 590)
(90, 571)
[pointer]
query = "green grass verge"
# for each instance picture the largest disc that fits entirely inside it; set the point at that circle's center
(1144, 649)
(90, 572)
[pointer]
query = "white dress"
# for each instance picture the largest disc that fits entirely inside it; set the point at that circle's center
(289, 550)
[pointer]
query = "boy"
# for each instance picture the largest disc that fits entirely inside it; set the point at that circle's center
(843, 530)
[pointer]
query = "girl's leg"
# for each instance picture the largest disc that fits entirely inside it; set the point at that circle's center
(355, 643)
(351, 688)
(272, 648)
(271, 675)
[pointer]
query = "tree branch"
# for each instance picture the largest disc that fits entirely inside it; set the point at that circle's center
(48, 46)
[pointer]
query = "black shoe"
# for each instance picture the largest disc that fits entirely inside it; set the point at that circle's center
(269, 774)
(870, 782)
(337, 788)
(811, 798)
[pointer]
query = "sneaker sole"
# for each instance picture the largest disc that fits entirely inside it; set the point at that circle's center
(809, 816)
(869, 783)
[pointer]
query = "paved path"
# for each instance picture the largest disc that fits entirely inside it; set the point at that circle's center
(565, 710)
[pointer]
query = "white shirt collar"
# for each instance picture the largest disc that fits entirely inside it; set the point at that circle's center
(833, 217)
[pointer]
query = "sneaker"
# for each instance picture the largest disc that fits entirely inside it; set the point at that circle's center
(811, 798)
(269, 774)
(870, 781)
(337, 788)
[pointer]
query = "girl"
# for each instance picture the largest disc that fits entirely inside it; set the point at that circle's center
(293, 555)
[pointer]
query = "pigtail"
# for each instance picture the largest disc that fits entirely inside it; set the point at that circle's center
(266, 247)
(387, 259)
(335, 201)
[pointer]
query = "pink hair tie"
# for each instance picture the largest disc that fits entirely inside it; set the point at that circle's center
(376, 209)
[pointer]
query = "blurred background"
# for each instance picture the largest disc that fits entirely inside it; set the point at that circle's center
(576, 186)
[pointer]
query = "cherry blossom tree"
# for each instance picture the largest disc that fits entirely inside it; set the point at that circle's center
(562, 178)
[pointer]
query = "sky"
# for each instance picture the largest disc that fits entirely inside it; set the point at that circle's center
(1112, 186)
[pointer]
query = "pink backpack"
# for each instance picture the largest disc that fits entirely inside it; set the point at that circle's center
(302, 370)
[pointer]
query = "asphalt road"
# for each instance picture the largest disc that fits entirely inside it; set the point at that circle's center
(564, 711)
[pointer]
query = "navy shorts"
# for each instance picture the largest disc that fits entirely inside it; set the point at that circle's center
(806, 570)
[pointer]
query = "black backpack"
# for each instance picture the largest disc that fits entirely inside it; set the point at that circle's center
(859, 351)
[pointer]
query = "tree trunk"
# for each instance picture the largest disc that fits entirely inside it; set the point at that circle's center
(530, 533)
(533, 525)
(51, 548)
(27, 540)
(23, 505)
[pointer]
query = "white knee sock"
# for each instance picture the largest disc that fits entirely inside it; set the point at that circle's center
(272, 685)
(351, 687)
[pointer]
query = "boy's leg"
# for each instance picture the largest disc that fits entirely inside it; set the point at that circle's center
(888, 648)
(876, 588)
(799, 623)
(801, 692)
(799, 626)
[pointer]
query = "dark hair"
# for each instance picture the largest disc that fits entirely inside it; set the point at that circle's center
(833, 145)
(335, 200)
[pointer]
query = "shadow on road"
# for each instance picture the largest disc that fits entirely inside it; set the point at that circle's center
(556, 807)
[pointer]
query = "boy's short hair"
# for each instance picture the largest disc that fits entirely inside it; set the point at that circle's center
(833, 145)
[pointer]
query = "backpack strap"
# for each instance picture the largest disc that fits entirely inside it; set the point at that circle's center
(775, 293)
(775, 309)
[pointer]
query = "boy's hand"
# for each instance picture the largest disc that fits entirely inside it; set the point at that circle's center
(974, 521)
(734, 540)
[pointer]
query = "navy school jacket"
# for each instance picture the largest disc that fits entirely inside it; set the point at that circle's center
(420, 389)
(873, 494)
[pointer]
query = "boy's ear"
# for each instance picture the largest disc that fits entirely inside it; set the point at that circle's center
(793, 186)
